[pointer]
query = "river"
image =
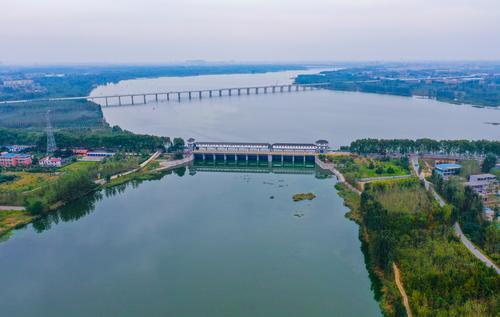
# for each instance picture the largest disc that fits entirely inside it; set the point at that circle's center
(195, 243)
(201, 242)
(339, 117)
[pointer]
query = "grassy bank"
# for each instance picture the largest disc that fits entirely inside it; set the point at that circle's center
(12, 219)
(74, 182)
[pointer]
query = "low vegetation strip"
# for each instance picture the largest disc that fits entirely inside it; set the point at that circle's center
(10, 219)
(303, 196)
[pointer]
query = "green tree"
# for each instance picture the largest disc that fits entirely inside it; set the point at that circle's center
(489, 162)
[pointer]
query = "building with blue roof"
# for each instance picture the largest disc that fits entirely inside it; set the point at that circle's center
(447, 169)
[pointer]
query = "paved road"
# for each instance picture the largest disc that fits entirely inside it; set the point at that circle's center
(165, 165)
(458, 231)
(341, 179)
(472, 248)
(19, 208)
(381, 178)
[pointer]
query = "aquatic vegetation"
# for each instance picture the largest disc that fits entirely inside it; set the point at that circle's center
(303, 196)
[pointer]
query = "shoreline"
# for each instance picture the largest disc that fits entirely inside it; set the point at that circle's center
(27, 217)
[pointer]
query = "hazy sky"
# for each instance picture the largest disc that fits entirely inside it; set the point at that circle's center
(152, 31)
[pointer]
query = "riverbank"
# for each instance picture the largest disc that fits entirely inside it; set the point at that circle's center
(416, 236)
(13, 217)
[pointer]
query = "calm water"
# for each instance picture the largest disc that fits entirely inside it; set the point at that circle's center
(340, 117)
(204, 244)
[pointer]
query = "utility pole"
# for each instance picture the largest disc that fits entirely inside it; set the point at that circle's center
(51, 141)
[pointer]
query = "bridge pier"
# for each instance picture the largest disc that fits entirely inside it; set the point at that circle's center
(168, 96)
(199, 94)
(265, 90)
(289, 88)
(229, 91)
(119, 100)
(178, 96)
(274, 89)
(256, 90)
(132, 99)
(296, 87)
(189, 93)
(281, 88)
(220, 92)
(210, 94)
(248, 91)
(107, 101)
(156, 97)
(239, 91)
(144, 98)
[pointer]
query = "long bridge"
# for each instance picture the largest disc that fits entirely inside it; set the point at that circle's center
(143, 98)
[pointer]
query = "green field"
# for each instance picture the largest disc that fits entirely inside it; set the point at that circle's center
(26, 181)
(77, 166)
(356, 167)
(404, 195)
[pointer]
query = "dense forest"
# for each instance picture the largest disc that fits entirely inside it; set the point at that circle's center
(110, 138)
(427, 146)
(67, 114)
(420, 240)
(476, 85)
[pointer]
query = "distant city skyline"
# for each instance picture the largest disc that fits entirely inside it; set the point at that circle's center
(155, 31)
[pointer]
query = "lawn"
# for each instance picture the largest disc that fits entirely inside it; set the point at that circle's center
(77, 166)
(357, 167)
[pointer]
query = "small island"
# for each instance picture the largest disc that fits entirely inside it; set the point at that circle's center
(303, 196)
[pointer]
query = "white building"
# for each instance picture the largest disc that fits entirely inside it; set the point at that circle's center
(50, 162)
(482, 183)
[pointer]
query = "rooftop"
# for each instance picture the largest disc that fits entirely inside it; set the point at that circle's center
(483, 176)
(233, 143)
(322, 142)
(14, 155)
(448, 166)
(294, 144)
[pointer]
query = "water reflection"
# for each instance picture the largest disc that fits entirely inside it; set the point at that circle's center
(81, 207)
(265, 168)
(73, 211)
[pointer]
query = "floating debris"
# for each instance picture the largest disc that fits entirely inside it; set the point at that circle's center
(298, 215)
(271, 197)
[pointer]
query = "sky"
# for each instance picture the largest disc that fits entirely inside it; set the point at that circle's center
(167, 31)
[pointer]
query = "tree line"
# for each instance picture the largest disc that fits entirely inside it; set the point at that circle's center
(110, 138)
(423, 146)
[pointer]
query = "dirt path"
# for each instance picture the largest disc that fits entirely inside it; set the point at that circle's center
(399, 284)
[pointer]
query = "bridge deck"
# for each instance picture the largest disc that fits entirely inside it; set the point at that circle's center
(197, 93)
